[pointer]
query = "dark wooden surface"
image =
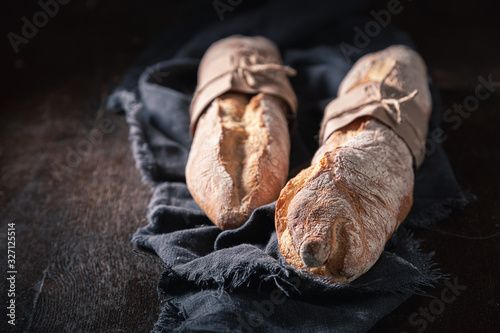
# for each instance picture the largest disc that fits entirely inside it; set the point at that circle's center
(76, 268)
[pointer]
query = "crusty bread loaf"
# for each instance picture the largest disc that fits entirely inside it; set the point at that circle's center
(239, 156)
(334, 218)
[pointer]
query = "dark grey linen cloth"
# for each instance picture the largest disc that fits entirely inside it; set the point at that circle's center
(237, 280)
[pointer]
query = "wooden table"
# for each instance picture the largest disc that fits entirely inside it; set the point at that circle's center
(69, 184)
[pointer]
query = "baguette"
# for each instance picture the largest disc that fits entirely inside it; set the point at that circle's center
(241, 114)
(239, 157)
(334, 218)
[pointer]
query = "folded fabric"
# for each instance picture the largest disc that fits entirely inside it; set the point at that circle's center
(237, 280)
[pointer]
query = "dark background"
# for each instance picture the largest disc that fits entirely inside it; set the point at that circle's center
(76, 267)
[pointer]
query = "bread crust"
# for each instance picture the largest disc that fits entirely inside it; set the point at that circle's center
(239, 156)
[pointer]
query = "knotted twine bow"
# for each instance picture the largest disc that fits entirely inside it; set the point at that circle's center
(385, 102)
(377, 98)
(247, 65)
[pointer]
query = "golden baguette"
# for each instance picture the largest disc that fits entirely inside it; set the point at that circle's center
(334, 218)
(239, 157)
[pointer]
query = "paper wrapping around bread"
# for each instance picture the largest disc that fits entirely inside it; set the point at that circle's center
(334, 218)
(394, 101)
(249, 65)
(240, 118)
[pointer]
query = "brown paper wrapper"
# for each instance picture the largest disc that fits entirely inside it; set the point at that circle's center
(395, 108)
(242, 64)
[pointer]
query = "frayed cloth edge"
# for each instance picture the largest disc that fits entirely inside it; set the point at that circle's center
(439, 211)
